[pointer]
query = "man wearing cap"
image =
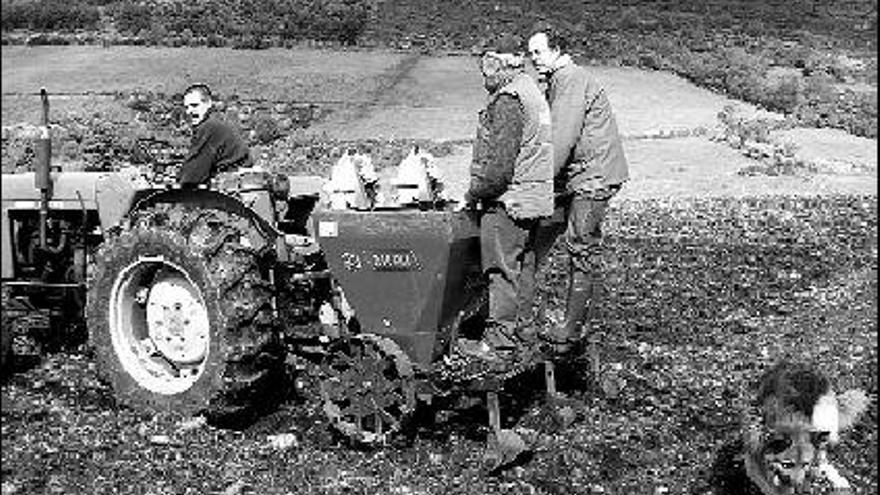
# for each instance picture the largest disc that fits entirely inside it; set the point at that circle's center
(215, 147)
(590, 167)
(512, 178)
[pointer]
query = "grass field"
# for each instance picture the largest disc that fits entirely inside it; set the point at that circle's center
(428, 97)
(273, 74)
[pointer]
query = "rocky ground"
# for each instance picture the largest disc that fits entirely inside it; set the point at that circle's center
(703, 295)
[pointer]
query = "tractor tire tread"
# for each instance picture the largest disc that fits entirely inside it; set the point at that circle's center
(243, 296)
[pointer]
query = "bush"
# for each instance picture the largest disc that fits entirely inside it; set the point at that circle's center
(250, 42)
(349, 18)
(854, 112)
(186, 37)
(156, 35)
(215, 40)
(785, 97)
(47, 39)
(139, 103)
(252, 23)
(132, 17)
(50, 15)
(266, 129)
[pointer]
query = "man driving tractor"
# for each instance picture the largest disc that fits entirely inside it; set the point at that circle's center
(215, 146)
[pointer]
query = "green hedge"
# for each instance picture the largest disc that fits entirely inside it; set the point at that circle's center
(245, 23)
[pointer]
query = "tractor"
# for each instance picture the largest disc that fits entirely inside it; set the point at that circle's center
(204, 301)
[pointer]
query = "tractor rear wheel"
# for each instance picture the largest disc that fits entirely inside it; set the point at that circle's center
(5, 343)
(7, 333)
(180, 315)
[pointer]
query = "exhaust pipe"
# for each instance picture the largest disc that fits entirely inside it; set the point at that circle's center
(42, 178)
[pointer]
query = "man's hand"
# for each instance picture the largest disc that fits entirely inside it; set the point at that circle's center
(460, 205)
(465, 203)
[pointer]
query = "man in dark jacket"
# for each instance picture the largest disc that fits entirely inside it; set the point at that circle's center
(590, 167)
(215, 147)
(512, 177)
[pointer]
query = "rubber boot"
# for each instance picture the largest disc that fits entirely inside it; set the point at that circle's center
(580, 295)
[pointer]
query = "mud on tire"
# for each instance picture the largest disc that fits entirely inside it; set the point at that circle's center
(180, 315)
(5, 343)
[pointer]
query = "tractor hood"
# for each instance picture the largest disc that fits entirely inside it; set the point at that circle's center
(65, 185)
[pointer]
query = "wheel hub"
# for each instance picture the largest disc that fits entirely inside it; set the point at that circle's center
(159, 325)
(176, 321)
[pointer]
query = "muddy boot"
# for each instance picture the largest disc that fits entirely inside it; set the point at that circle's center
(478, 349)
(504, 342)
(580, 297)
(494, 353)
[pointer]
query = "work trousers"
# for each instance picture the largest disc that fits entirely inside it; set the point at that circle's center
(509, 265)
(578, 219)
(583, 234)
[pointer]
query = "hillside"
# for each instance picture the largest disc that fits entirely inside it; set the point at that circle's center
(815, 60)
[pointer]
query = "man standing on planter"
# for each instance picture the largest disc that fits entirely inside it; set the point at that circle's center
(512, 178)
(590, 167)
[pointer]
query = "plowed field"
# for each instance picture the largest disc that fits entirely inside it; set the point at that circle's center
(712, 276)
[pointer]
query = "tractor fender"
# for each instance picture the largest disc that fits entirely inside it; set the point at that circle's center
(208, 199)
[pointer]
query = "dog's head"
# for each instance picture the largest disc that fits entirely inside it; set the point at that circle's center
(800, 417)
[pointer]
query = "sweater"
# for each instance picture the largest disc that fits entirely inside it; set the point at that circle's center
(215, 147)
